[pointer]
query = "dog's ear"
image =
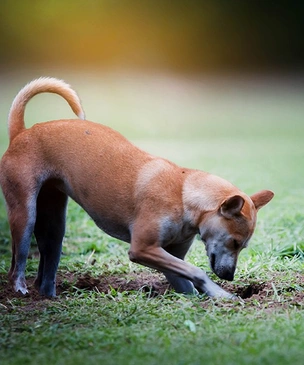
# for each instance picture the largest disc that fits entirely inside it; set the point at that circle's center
(232, 206)
(261, 198)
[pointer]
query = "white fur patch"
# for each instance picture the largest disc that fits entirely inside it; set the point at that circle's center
(20, 286)
(148, 172)
(205, 192)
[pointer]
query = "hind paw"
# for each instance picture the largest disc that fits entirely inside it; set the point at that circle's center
(20, 286)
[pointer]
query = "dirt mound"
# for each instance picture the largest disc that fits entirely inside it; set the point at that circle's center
(267, 294)
(154, 284)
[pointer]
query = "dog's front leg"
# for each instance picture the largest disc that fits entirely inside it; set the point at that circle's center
(157, 258)
(180, 284)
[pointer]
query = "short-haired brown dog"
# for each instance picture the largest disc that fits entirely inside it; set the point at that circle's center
(155, 205)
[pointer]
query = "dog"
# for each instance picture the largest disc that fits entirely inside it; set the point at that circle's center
(147, 201)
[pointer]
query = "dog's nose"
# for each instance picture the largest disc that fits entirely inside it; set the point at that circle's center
(226, 274)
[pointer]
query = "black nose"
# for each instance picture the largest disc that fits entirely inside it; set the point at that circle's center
(226, 274)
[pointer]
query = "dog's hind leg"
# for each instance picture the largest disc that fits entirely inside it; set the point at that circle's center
(19, 185)
(49, 231)
(21, 215)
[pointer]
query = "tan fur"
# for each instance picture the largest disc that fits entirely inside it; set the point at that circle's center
(148, 201)
(43, 84)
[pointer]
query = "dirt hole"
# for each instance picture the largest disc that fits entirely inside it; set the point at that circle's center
(250, 290)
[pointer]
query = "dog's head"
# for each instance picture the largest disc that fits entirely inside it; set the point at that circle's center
(227, 230)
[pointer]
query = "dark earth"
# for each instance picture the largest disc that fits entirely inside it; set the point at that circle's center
(270, 295)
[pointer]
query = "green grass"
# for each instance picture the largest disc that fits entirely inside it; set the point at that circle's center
(249, 132)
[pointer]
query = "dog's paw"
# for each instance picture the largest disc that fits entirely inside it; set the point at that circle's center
(229, 296)
(224, 294)
(233, 297)
(20, 286)
(236, 298)
(195, 291)
(216, 292)
(21, 289)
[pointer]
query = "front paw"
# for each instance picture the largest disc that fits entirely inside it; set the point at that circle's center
(215, 291)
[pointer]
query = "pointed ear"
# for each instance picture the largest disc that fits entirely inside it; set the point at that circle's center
(232, 206)
(261, 198)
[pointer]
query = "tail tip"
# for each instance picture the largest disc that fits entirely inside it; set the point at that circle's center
(81, 115)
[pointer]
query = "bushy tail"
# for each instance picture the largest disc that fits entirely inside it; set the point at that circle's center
(41, 85)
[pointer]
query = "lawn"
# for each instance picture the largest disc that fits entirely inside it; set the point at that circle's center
(110, 311)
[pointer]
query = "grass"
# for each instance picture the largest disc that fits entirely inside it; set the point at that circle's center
(247, 131)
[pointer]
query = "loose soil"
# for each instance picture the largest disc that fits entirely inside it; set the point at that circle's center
(270, 295)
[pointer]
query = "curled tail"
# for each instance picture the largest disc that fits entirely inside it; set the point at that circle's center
(41, 85)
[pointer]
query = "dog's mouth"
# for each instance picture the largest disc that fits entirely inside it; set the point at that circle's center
(226, 275)
(212, 261)
(204, 241)
(221, 272)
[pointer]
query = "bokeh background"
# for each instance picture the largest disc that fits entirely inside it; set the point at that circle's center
(209, 84)
(181, 36)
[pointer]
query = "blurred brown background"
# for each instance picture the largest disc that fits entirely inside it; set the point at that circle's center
(180, 36)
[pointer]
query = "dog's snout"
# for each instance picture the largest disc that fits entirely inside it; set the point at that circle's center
(228, 275)
(225, 274)
(222, 268)
(212, 261)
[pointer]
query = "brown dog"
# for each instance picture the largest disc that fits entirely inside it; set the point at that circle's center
(147, 201)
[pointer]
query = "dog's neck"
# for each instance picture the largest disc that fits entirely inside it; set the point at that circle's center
(204, 192)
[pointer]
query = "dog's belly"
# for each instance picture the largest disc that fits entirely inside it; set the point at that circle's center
(107, 221)
(113, 229)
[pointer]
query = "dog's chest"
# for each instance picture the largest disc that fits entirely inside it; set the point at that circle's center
(174, 232)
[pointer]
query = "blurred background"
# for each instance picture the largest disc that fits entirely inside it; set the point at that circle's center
(177, 36)
(216, 85)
